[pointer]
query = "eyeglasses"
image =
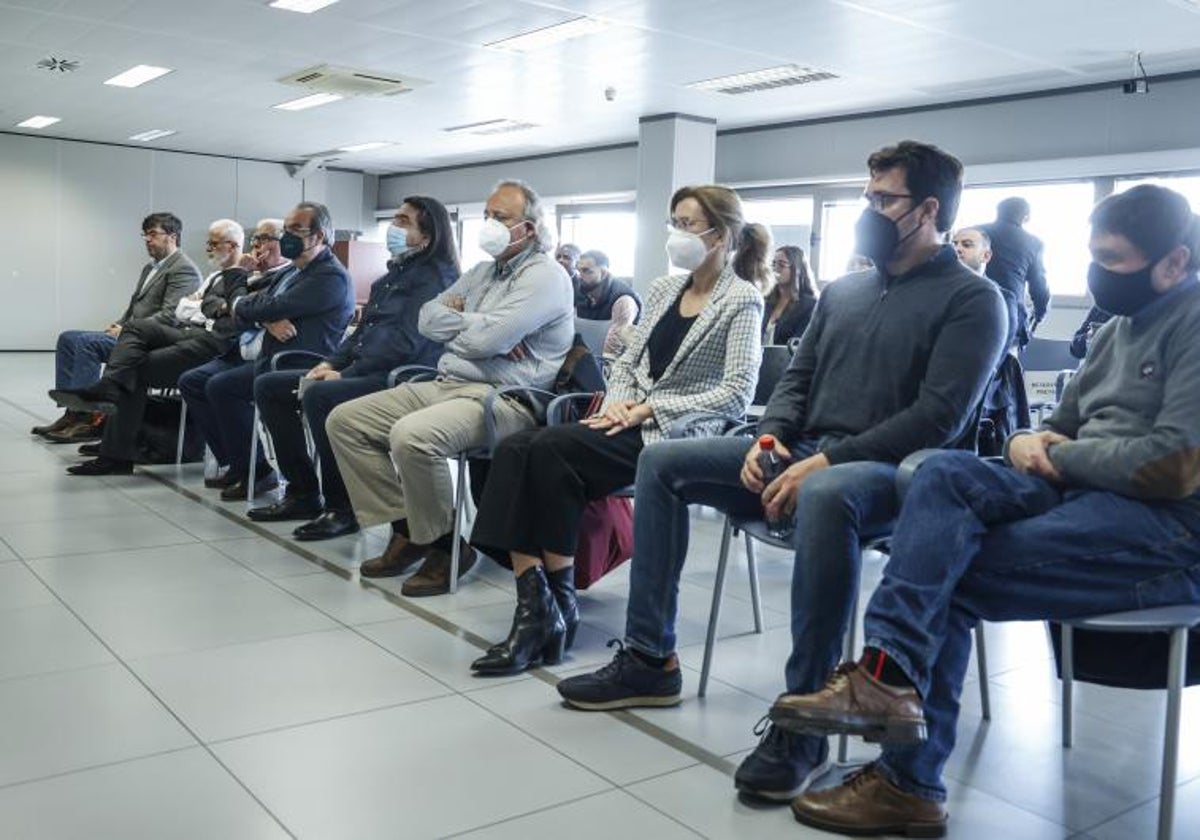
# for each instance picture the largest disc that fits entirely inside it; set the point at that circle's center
(881, 201)
(260, 238)
(690, 225)
(781, 264)
(153, 234)
(299, 231)
(214, 244)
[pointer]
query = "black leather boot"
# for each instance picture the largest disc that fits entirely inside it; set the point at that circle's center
(562, 584)
(538, 635)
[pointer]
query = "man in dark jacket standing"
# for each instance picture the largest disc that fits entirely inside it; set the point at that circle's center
(305, 309)
(1016, 263)
(421, 268)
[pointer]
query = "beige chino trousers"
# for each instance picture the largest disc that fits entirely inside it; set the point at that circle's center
(392, 446)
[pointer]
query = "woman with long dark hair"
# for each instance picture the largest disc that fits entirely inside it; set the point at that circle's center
(791, 302)
(695, 348)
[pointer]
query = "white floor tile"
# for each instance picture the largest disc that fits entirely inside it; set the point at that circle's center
(266, 558)
(44, 639)
(96, 534)
(601, 817)
(20, 588)
(436, 652)
(345, 600)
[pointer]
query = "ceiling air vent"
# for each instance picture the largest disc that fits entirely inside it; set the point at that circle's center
(757, 80)
(343, 81)
(58, 65)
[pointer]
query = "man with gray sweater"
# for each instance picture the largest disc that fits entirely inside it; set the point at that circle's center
(508, 322)
(895, 359)
(1097, 512)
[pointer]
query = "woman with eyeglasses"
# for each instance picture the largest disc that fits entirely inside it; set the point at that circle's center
(791, 302)
(695, 349)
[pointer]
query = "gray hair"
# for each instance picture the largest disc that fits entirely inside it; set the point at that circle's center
(535, 212)
(272, 226)
(322, 219)
(230, 231)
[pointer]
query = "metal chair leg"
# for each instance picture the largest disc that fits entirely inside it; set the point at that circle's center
(460, 494)
(848, 654)
(182, 433)
(1068, 685)
(985, 701)
(253, 457)
(1176, 669)
(755, 594)
(714, 613)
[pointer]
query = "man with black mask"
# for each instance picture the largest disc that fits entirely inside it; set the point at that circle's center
(894, 360)
(1095, 513)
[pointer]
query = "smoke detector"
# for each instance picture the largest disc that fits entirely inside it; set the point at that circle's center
(58, 65)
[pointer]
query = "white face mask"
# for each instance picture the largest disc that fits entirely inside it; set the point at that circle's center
(686, 250)
(494, 236)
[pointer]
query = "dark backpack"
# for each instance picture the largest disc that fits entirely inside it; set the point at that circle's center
(580, 371)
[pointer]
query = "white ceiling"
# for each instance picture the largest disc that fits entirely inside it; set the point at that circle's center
(227, 55)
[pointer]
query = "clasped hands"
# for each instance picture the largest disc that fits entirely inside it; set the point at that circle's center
(619, 416)
(779, 497)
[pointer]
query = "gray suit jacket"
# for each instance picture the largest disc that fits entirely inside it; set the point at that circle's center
(176, 277)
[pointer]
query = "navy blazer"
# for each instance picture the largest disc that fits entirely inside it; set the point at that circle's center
(387, 335)
(318, 300)
(1016, 264)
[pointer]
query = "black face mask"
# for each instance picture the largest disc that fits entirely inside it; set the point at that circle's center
(1121, 294)
(877, 237)
(291, 245)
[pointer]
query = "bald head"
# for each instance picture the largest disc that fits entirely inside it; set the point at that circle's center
(974, 248)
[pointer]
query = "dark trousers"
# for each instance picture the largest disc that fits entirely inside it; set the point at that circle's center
(149, 354)
(541, 479)
(280, 410)
(220, 398)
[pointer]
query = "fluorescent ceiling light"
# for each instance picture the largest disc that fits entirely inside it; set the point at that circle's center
(38, 122)
(152, 134)
(550, 35)
(490, 127)
(363, 147)
(308, 102)
(756, 80)
(304, 6)
(139, 75)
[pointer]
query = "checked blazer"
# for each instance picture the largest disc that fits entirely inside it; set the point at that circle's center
(715, 368)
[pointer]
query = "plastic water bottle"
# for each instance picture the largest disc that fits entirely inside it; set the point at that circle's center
(772, 465)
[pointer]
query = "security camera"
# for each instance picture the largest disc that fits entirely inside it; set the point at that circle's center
(610, 93)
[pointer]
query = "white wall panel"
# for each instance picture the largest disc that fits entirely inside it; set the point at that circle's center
(264, 191)
(29, 270)
(199, 190)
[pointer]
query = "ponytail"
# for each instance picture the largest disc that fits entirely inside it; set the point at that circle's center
(752, 262)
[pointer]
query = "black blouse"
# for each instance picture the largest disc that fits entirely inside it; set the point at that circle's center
(667, 336)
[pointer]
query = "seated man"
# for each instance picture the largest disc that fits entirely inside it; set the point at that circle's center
(510, 322)
(168, 276)
(306, 307)
(154, 351)
(1096, 513)
(604, 298)
(894, 360)
(423, 265)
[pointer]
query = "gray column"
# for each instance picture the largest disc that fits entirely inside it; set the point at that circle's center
(674, 150)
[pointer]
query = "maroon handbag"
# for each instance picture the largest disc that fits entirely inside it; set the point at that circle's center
(605, 539)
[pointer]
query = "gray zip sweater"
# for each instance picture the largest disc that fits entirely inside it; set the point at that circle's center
(1133, 410)
(888, 366)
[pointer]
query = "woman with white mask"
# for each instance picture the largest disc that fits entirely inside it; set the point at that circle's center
(695, 349)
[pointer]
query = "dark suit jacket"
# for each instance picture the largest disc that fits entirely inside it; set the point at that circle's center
(1017, 263)
(793, 321)
(318, 300)
(176, 277)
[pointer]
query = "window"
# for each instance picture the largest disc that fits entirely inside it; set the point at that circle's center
(470, 253)
(1058, 216)
(611, 229)
(790, 219)
(837, 236)
(1186, 185)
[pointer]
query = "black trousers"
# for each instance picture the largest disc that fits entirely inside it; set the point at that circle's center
(279, 409)
(149, 354)
(541, 479)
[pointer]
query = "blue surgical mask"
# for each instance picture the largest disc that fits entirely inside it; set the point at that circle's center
(397, 241)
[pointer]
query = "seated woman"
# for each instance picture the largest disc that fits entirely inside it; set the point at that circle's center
(791, 302)
(696, 348)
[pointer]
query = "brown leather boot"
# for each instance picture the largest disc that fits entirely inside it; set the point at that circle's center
(866, 803)
(433, 578)
(69, 418)
(89, 427)
(399, 556)
(854, 703)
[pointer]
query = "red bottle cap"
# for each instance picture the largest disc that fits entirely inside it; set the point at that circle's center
(766, 442)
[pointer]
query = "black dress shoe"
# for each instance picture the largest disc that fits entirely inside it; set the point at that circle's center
(102, 466)
(237, 491)
(102, 396)
(222, 480)
(91, 450)
(330, 524)
(287, 508)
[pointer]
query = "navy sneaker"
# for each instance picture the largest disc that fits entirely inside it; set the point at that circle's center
(783, 765)
(625, 682)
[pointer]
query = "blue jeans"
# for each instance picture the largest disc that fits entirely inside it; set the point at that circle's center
(220, 399)
(835, 509)
(78, 355)
(977, 540)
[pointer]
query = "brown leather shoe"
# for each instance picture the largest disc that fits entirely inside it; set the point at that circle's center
(433, 578)
(399, 556)
(867, 803)
(69, 418)
(81, 432)
(854, 703)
